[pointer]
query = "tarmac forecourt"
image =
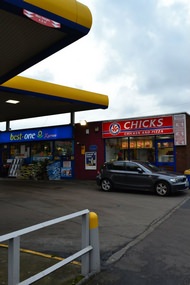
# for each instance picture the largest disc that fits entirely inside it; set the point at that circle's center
(124, 220)
(33, 262)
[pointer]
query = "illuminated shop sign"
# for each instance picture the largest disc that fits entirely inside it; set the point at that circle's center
(41, 134)
(138, 127)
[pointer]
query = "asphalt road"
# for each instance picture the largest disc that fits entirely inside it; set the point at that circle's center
(126, 220)
(161, 258)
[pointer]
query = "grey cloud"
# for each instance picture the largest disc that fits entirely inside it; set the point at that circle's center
(148, 43)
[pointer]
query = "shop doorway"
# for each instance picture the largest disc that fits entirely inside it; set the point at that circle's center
(165, 154)
(4, 166)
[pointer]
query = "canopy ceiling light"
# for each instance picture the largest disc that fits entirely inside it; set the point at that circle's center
(10, 101)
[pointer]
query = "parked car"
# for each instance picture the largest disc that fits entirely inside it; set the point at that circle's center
(138, 175)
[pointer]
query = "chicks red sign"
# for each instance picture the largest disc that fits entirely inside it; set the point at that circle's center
(138, 127)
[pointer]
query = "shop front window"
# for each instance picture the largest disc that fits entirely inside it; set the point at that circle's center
(41, 151)
(63, 149)
(113, 149)
(131, 148)
(20, 150)
(140, 148)
(14, 150)
(165, 152)
(159, 150)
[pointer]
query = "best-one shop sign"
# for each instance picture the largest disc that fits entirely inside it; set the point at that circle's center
(54, 133)
(138, 127)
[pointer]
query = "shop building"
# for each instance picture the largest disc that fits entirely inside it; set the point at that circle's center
(163, 140)
(24, 153)
(78, 152)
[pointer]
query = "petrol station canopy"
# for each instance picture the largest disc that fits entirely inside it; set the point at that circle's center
(33, 98)
(32, 30)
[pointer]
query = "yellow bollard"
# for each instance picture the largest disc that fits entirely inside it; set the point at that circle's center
(94, 242)
(93, 220)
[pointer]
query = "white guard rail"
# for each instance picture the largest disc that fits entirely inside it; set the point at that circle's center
(89, 253)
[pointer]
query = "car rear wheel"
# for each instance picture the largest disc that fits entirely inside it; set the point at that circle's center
(162, 188)
(106, 185)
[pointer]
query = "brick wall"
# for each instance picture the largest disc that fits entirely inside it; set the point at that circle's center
(183, 152)
(85, 137)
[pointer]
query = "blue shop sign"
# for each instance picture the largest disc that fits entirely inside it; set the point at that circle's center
(40, 134)
(93, 147)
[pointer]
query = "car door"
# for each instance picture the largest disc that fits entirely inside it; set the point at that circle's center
(136, 178)
(118, 174)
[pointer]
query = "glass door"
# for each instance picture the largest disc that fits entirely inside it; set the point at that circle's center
(165, 154)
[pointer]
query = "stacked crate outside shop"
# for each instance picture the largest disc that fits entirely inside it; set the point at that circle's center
(41, 170)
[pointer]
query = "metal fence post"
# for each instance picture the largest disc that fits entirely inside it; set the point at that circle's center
(85, 243)
(14, 249)
(94, 242)
(14, 261)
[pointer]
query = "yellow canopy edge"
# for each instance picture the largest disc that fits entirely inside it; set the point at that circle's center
(51, 89)
(68, 9)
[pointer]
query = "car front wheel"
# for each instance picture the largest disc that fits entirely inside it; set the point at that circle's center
(162, 188)
(106, 185)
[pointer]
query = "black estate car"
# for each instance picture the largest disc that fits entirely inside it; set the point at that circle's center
(138, 175)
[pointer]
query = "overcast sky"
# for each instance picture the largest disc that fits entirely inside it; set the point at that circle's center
(137, 52)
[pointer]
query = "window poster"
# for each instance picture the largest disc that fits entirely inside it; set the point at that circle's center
(90, 160)
(124, 144)
(180, 129)
(140, 144)
(66, 170)
(133, 144)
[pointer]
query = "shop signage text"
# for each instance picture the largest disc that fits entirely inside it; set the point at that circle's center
(53, 133)
(20, 136)
(41, 20)
(138, 127)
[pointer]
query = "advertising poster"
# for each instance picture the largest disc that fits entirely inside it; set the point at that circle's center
(180, 137)
(90, 160)
(66, 170)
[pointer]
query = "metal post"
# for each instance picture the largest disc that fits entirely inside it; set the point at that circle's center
(7, 126)
(72, 120)
(94, 242)
(14, 261)
(85, 243)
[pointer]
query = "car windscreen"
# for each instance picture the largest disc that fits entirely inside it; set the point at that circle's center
(150, 166)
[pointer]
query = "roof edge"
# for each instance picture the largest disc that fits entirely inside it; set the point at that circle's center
(73, 10)
(55, 90)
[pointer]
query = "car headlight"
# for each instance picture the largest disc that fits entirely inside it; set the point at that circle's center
(173, 180)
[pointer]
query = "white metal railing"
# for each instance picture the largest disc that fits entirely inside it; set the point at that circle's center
(89, 253)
